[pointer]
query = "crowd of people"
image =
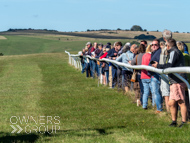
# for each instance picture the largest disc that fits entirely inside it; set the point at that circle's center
(165, 54)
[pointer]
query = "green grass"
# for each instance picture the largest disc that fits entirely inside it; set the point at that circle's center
(36, 81)
(19, 45)
(27, 44)
(45, 85)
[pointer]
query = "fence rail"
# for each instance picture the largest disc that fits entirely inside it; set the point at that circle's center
(75, 61)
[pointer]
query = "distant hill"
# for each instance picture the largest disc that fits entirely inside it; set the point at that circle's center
(42, 41)
(107, 34)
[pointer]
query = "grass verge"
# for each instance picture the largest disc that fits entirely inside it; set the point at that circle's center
(45, 87)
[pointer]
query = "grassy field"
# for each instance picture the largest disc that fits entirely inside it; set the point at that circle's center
(19, 45)
(39, 92)
(42, 85)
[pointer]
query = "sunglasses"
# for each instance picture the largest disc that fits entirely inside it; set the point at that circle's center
(154, 44)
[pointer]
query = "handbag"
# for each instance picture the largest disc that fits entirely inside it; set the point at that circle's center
(134, 76)
(98, 62)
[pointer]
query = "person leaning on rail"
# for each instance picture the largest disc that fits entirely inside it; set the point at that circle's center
(164, 84)
(138, 86)
(126, 57)
(155, 78)
(112, 54)
(180, 46)
(177, 87)
(88, 66)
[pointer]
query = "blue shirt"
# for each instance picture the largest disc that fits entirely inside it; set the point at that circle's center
(125, 58)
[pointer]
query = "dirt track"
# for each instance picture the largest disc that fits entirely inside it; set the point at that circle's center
(2, 38)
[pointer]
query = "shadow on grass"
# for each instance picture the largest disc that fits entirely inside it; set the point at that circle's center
(8, 138)
(31, 138)
(89, 131)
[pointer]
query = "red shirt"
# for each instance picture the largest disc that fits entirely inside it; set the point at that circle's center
(145, 61)
(104, 55)
(92, 50)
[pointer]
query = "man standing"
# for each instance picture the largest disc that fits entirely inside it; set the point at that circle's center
(177, 87)
(164, 87)
(112, 54)
(88, 67)
(155, 79)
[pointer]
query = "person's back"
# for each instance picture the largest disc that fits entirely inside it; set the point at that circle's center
(145, 61)
(146, 78)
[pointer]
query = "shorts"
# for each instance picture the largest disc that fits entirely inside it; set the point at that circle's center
(165, 87)
(177, 91)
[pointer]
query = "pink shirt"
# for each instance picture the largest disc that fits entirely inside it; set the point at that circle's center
(145, 61)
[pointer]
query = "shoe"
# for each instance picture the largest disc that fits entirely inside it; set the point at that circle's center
(157, 112)
(173, 124)
(145, 108)
(138, 102)
(182, 124)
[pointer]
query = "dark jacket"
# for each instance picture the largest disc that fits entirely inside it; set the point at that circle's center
(155, 56)
(111, 54)
(89, 51)
(175, 59)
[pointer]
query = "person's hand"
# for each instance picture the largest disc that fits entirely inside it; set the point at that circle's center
(129, 62)
(115, 54)
(155, 64)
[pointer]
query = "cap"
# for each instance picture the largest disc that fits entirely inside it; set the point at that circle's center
(88, 43)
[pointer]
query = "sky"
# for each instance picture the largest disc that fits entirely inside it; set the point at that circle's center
(80, 15)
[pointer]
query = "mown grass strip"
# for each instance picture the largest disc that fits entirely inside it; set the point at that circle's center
(45, 85)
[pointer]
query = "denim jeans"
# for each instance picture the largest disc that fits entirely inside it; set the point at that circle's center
(141, 87)
(97, 68)
(83, 67)
(92, 68)
(114, 76)
(107, 76)
(88, 69)
(155, 85)
(147, 88)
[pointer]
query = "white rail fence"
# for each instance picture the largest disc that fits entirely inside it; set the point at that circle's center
(76, 61)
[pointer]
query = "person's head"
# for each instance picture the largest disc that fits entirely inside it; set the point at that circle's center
(95, 45)
(167, 34)
(144, 42)
(180, 46)
(88, 44)
(118, 45)
(100, 46)
(171, 43)
(142, 48)
(104, 49)
(86, 48)
(108, 47)
(148, 49)
(114, 44)
(109, 43)
(134, 49)
(162, 44)
(128, 44)
(125, 48)
(155, 45)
